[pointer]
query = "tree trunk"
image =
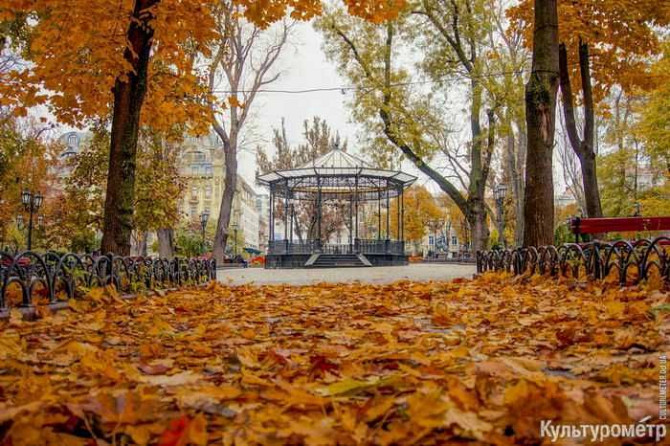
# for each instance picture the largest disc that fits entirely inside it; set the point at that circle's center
(165, 243)
(144, 248)
(129, 91)
(541, 91)
(476, 219)
(476, 209)
(229, 185)
(516, 176)
(587, 162)
(583, 148)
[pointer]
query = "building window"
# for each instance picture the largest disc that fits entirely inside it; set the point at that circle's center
(72, 140)
(454, 240)
(431, 240)
(193, 211)
(208, 191)
(194, 192)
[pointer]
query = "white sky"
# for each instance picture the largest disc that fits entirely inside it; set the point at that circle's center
(303, 65)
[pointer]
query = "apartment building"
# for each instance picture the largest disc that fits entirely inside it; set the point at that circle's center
(201, 163)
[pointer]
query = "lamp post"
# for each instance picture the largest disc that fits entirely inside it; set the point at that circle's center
(499, 194)
(638, 209)
(31, 203)
(203, 224)
(234, 226)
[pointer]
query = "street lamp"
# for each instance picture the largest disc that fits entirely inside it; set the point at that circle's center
(203, 224)
(499, 193)
(31, 203)
(638, 211)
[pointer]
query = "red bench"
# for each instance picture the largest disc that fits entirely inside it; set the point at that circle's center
(580, 226)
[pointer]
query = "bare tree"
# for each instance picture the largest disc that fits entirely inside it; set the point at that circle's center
(584, 148)
(570, 167)
(241, 66)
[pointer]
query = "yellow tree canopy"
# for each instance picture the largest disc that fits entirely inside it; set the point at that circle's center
(421, 212)
(76, 49)
(622, 36)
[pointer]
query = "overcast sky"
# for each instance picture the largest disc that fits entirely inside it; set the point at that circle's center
(303, 66)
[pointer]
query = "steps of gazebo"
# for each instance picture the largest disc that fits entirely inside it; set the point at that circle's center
(338, 261)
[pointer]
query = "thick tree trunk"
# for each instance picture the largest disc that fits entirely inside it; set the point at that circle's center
(476, 219)
(129, 91)
(541, 92)
(229, 185)
(476, 209)
(165, 243)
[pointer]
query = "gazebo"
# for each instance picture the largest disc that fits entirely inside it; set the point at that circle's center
(358, 200)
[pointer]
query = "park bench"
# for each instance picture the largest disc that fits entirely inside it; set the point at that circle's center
(580, 226)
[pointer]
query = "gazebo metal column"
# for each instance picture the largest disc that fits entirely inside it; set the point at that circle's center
(318, 211)
(271, 229)
(402, 214)
(399, 201)
(292, 207)
(388, 216)
(286, 215)
(351, 221)
(379, 214)
(356, 200)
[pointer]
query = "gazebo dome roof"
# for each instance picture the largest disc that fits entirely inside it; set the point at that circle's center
(339, 175)
(336, 159)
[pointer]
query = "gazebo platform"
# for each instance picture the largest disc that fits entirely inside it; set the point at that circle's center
(362, 253)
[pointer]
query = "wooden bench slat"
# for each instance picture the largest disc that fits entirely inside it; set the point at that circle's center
(615, 224)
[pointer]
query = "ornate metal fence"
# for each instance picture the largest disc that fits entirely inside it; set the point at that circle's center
(54, 276)
(631, 262)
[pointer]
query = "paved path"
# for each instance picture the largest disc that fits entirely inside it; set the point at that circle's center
(386, 274)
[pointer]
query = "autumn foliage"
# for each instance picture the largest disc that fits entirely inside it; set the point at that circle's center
(479, 361)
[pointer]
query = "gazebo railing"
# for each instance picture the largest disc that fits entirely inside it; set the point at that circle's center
(363, 246)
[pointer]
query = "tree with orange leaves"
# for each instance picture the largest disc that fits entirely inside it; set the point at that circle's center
(104, 58)
(601, 44)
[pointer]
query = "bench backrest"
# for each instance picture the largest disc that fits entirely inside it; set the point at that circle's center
(616, 224)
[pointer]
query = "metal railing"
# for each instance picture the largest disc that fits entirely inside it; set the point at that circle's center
(444, 258)
(631, 261)
(53, 276)
(363, 246)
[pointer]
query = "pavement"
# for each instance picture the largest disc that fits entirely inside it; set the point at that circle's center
(420, 272)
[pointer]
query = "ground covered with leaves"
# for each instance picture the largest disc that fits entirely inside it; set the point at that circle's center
(473, 362)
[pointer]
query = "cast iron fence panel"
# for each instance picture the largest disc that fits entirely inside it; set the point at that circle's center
(53, 274)
(630, 261)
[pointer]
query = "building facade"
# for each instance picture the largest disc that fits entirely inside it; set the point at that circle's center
(201, 164)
